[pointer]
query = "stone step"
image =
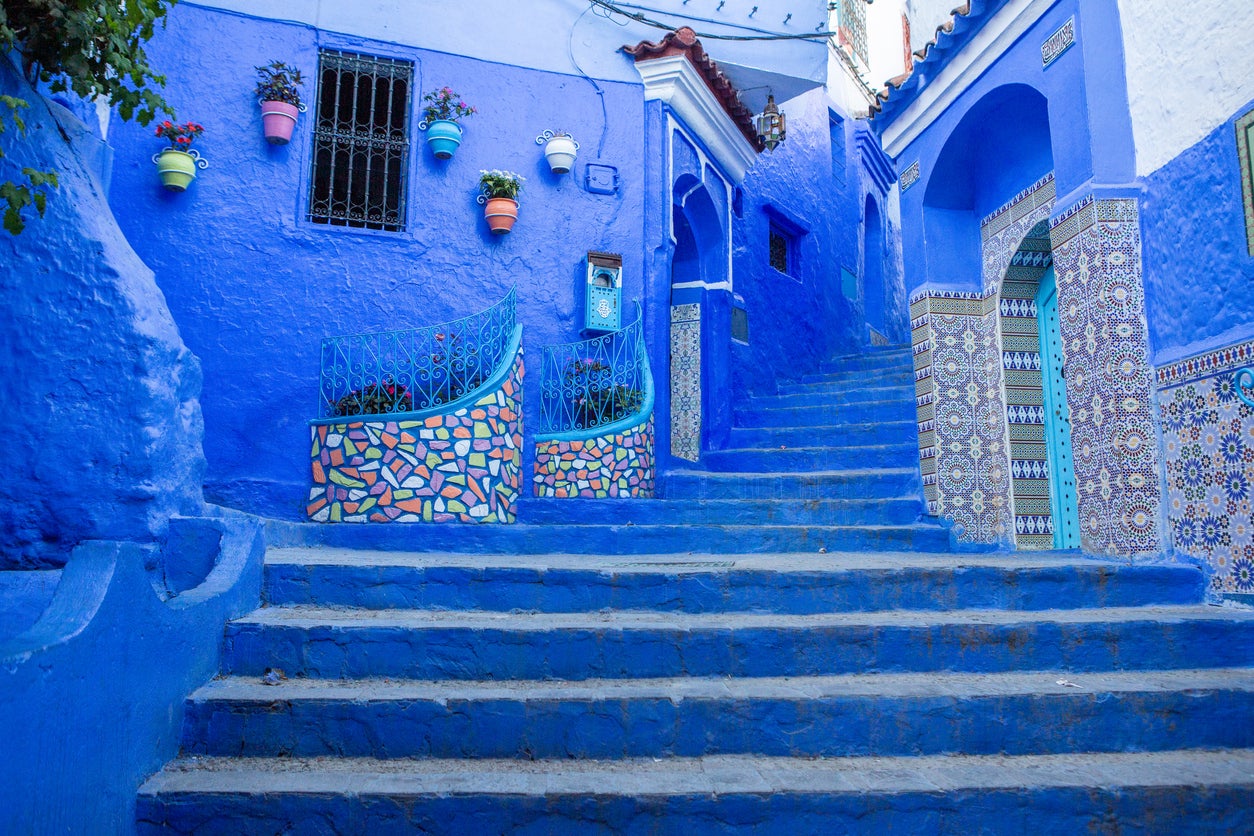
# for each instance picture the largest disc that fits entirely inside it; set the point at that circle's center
(857, 433)
(845, 381)
(870, 363)
(1178, 792)
(785, 459)
(330, 642)
(636, 539)
(868, 483)
(900, 409)
(872, 392)
(622, 511)
(821, 716)
(781, 583)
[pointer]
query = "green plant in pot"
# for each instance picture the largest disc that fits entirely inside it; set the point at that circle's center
(500, 198)
(278, 92)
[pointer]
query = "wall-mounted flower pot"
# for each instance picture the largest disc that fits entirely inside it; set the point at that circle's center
(177, 169)
(501, 213)
(443, 136)
(560, 151)
(278, 119)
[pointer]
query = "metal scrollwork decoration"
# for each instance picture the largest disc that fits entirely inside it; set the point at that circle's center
(592, 383)
(198, 161)
(413, 370)
(1244, 384)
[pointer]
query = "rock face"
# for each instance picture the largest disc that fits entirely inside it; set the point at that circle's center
(100, 395)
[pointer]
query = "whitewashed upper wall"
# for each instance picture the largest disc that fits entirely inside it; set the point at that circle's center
(1189, 70)
(554, 35)
(925, 16)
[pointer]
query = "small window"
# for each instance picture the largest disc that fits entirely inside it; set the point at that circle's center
(361, 141)
(781, 250)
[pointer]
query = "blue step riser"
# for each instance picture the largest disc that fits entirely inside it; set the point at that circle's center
(626, 540)
(815, 436)
(612, 652)
(793, 460)
(659, 727)
(801, 416)
(693, 591)
(862, 486)
(895, 362)
(1042, 811)
(722, 512)
(848, 397)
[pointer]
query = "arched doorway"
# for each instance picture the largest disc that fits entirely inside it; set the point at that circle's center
(700, 326)
(1038, 421)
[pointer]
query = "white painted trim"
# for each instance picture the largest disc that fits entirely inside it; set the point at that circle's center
(997, 35)
(677, 83)
(673, 126)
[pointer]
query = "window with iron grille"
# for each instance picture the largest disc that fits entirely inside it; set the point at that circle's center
(781, 250)
(361, 141)
(853, 29)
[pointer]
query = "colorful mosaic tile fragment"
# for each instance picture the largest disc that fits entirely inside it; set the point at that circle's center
(462, 466)
(616, 465)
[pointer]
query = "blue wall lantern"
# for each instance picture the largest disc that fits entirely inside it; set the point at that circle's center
(603, 292)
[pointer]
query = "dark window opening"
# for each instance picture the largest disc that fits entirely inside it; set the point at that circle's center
(781, 250)
(361, 141)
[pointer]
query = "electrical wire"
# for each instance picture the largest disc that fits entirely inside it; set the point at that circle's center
(570, 52)
(640, 17)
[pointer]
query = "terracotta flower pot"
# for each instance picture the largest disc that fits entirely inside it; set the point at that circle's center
(501, 213)
(278, 119)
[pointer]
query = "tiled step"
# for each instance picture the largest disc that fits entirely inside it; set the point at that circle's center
(870, 483)
(820, 716)
(780, 583)
(859, 433)
(623, 511)
(624, 539)
(418, 644)
(1177, 792)
(872, 392)
(900, 409)
(785, 459)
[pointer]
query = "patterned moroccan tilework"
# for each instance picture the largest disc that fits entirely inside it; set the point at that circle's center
(686, 382)
(961, 414)
(463, 466)
(1021, 370)
(618, 465)
(1101, 303)
(1208, 442)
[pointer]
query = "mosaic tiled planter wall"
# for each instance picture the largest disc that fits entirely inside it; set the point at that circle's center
(618, 464)
(1208, 441)
(463, 465)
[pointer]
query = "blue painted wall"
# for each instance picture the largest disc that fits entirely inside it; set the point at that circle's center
(1199, 274)
(796, 321)
(988, 144)
(255, 287)
(100, 393)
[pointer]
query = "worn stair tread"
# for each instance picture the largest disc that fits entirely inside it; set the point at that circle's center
(716, 774)
(305, 616)
(251, 689)
(833, 561)
(842, 473)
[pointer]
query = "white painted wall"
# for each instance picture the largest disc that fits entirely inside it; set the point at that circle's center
(925, 16)
(555, 35)
(1189, 70)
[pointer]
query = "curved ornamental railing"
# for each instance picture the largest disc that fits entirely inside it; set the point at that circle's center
(594, 383)
(1244, 384)
(415, 370)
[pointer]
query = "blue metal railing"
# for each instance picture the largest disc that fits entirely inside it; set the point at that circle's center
(1243, 381)
(410, 371)
(593, 383)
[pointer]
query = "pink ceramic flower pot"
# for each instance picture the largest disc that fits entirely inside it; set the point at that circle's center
(278, 119)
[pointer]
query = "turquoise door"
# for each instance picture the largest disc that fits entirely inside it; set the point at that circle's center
(1062, 490)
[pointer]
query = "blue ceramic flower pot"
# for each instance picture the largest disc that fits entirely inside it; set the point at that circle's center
(443, 136)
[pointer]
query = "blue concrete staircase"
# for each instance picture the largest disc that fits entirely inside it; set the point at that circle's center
(710, 686)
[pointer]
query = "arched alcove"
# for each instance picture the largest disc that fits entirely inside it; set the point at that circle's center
(873, 292)
(1001, 145)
